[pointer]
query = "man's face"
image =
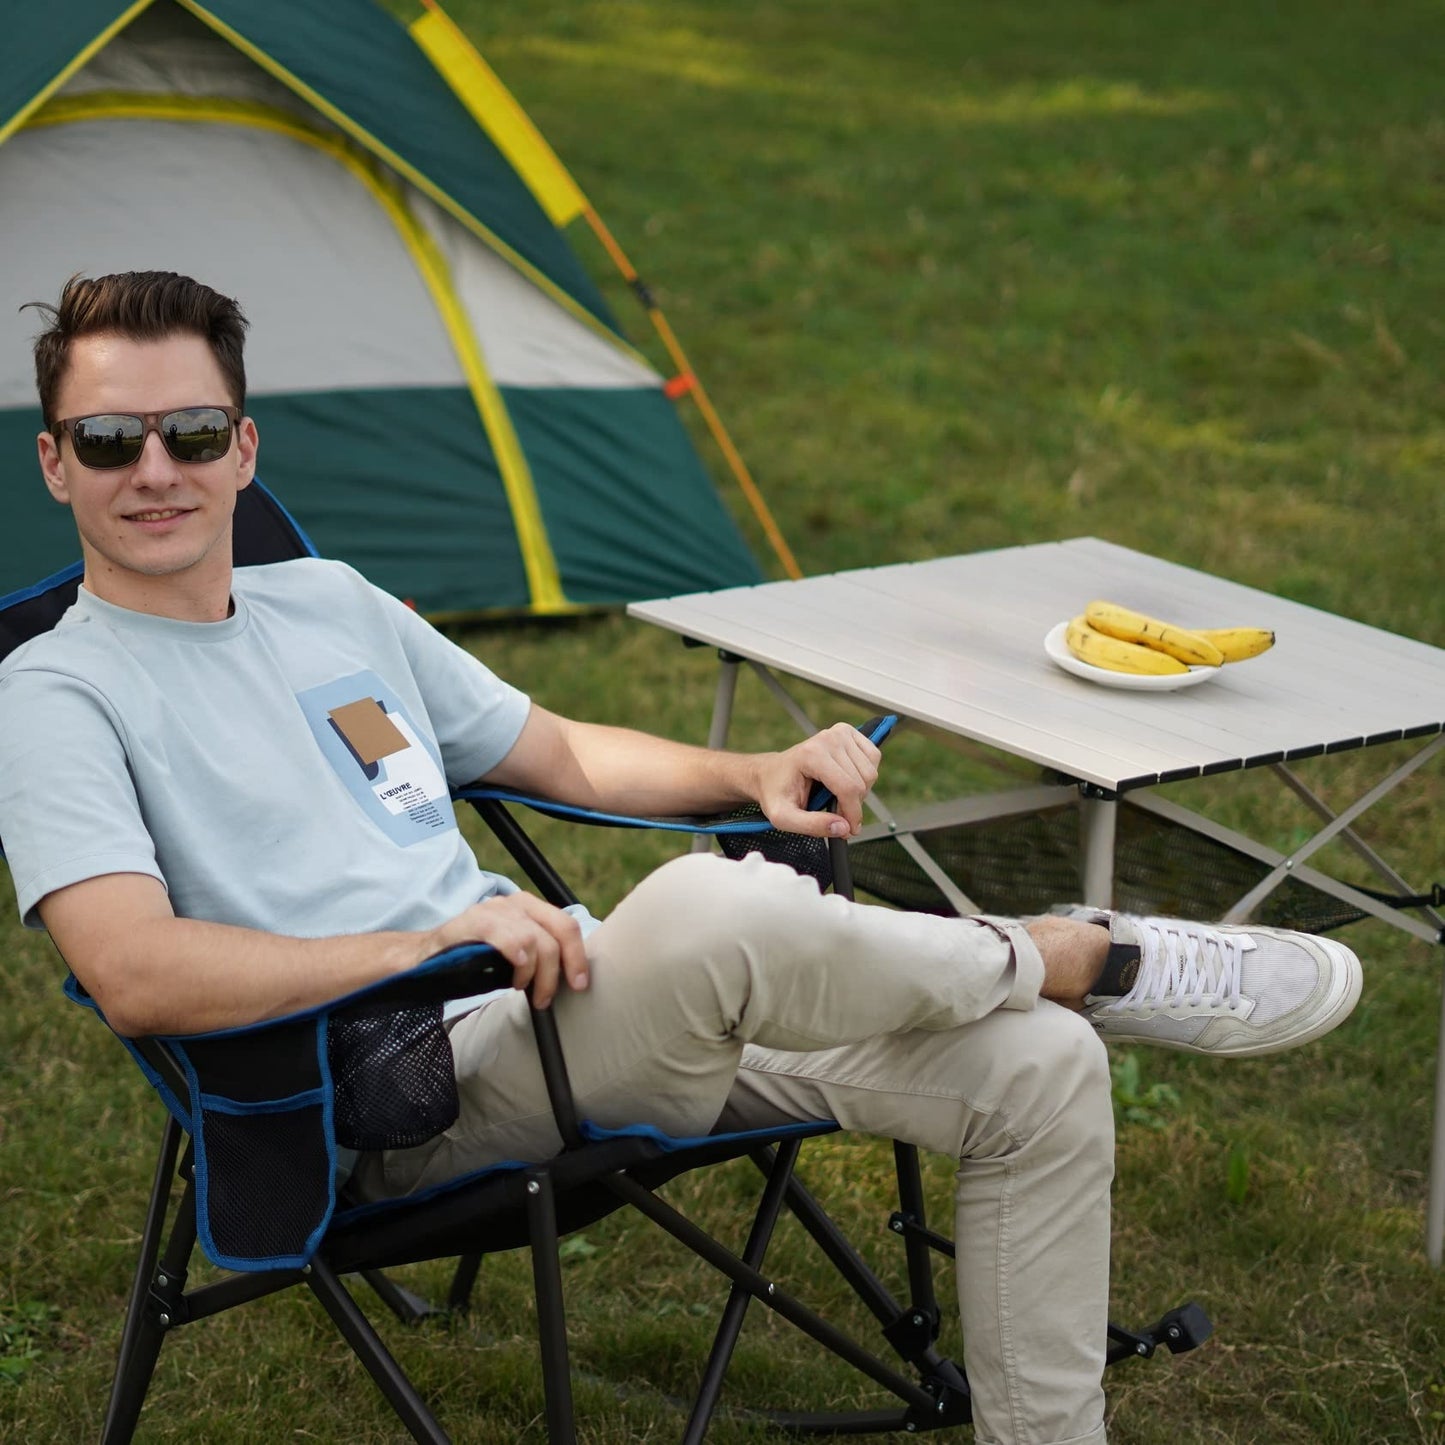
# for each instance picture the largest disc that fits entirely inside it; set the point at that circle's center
(156, 535)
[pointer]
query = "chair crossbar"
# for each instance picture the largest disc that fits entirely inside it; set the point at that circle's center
(761, 1288)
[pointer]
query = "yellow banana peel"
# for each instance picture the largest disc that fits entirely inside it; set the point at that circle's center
(1238, 643)
(1090, 645)
(1123, 623)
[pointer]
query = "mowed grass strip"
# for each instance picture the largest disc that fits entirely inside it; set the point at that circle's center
(957, 277)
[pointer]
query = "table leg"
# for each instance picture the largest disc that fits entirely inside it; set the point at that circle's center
(1435, 1205)
(722, 717)
(1098, 820)
(722, 703)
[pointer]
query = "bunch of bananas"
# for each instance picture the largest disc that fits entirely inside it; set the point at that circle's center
(1121, 640)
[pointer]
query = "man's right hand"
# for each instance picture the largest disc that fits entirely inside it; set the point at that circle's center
(541, 942)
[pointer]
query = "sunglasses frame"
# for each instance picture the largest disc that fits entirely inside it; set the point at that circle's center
(150, 422)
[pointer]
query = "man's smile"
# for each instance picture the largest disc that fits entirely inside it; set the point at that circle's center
(159, 514)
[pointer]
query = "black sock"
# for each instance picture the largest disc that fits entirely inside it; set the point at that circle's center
(1121, 969)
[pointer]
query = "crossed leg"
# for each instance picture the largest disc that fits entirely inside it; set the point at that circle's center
(735, 992)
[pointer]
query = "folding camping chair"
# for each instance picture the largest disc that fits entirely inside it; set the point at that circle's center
(264, 1107)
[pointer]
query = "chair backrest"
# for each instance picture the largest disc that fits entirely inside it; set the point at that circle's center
(263, 531)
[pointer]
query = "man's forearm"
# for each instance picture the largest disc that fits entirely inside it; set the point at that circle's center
(619, 770)
(179, 975)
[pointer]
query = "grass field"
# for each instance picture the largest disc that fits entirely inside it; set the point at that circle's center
(957, 277)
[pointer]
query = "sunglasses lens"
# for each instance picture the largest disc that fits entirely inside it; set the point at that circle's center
(197, 434)
(108, 441)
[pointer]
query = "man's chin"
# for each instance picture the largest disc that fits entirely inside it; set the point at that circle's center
(151, 563)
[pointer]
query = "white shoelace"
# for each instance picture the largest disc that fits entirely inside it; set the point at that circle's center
(1183, 966)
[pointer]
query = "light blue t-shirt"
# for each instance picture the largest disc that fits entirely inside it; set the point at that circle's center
(286, 769)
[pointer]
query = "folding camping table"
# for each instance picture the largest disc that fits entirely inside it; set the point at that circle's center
(957, 644)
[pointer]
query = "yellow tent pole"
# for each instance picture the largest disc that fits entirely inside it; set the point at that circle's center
(687, 380)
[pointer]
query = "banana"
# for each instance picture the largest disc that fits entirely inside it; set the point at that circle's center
(1238, 643)
(1098, 648)
(1176, 642)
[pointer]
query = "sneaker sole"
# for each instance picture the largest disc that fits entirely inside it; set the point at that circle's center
(1348, 982)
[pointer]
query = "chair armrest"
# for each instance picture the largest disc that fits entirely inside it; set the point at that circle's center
(748, 819)
(596, 818)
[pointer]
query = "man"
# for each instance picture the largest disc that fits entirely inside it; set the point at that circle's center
(192, 805)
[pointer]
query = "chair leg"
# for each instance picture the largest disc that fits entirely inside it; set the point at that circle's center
(459, 1299)
(922, 1298)
(406, 1305)
(142, 1334)
(730, 1325)
(551, 1310)
(367, 1344)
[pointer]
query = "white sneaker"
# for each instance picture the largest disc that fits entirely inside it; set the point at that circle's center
(1232, 989)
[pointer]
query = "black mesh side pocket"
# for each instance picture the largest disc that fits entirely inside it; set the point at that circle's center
(267, 1182)
(393, 1075)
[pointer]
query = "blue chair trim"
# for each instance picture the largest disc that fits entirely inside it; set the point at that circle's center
(177, 1110)
(434, 964)
(616, 820)
(46, 584)
(671, 1145)
(302, 535)
(220, 1104)
(595, 1133)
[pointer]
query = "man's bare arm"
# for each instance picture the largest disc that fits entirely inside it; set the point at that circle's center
(617, 769)
(154, 973)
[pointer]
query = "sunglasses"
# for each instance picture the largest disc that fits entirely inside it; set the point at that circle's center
(116, 439)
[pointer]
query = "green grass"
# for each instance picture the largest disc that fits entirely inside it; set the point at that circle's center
(957, 277)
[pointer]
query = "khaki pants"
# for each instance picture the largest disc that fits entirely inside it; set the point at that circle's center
(735, 995)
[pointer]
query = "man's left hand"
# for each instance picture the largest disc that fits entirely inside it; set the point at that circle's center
(841, 759)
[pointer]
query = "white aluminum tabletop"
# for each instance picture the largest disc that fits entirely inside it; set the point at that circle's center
(958, 642)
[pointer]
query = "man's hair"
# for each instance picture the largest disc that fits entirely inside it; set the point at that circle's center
(142, 306)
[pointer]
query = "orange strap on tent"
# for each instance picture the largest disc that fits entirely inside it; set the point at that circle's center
(686, 381)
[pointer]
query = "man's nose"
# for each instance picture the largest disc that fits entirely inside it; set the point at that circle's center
(155, 466)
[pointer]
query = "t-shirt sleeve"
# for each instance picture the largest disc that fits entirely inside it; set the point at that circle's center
(476, 717)
(68, 807)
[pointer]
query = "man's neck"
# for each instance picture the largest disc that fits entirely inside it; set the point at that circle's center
(191, 600)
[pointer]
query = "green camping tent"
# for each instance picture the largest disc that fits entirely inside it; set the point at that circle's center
(443, 396)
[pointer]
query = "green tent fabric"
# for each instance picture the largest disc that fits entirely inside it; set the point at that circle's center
(443, 398)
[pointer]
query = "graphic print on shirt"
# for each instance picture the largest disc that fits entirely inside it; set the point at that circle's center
(388, 764)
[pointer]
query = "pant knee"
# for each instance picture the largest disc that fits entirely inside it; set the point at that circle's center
(1075, 1061)
(1060, 1074)
(701, 901)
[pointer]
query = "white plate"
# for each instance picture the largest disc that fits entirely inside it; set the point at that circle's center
(1058, 651)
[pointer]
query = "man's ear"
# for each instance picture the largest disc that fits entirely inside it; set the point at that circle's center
(48, 450)
(249, 442)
